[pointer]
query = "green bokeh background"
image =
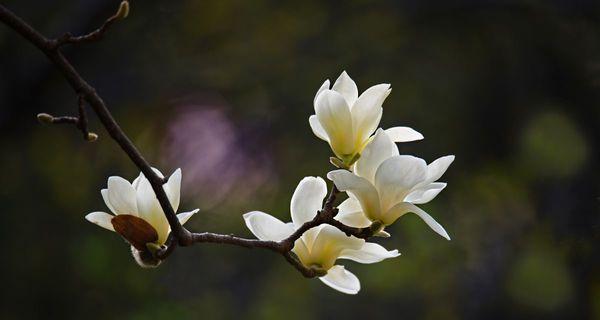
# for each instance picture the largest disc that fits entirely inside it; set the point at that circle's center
(223, 89)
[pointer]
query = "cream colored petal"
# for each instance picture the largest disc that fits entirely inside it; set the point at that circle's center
(347, 88)
(405, 207)
(173, 189)
(301, 251)
(361, 189)
(307, 200)
(335, 118)
(185, 216)
(341, 280)
(104, 193)
(436, 169)
(102, 219)
(369, 253)
(367, 111)
(355, 219)
(150, 210)
(403, 134)
(396, 176)
(426, 193)
(121, 196)
(266, 227)
(377, 151)
(317, 129)
(351, 214)
(322, 88)
(329, 243)
(136, 181)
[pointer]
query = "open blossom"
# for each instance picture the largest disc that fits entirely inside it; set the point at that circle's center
(347, 121)
(319, 247)
(137, 214)
(386, 185)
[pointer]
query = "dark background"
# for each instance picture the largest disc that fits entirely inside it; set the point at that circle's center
(223, 89)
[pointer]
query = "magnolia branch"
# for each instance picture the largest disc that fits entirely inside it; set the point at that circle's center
(82, 88)
(97, 34)
(86, 93)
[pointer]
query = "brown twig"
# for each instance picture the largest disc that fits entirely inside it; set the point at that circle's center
(179, 235)
(95, 35)
(80, 122)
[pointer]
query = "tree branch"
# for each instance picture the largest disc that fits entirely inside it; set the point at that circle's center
(85, 90)
(179, 235)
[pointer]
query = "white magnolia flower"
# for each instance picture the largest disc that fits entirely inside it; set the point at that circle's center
(137, 214)
(347, 121)
(386, 185)
(321, 246)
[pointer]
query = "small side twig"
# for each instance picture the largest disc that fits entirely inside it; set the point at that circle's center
(95, 35)
(80, 122)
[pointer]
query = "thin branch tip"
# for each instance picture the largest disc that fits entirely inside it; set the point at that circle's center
(68, 38)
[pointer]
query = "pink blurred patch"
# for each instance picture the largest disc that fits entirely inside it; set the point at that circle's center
(218, 159)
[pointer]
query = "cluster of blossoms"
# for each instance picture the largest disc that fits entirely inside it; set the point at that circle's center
(381, 185)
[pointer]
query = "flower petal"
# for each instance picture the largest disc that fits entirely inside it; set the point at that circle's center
(367, 111)
(173, 189)
(322, 88)
(396, 176)
(158, 173)
(347, 88)
(351, 214)
(378, 150)
(136, 181)
(369, 253)
(403, 134)
(101, 218)
(266, 227)
(360, 188)
(150, 210)
(405, 207)
(185, 216)
(307, 199)
(426, 193)
(104, 193)
(317, 128)
(121, 195)
(329, 243)
(436, 169)
(334, 115)
(341, 280)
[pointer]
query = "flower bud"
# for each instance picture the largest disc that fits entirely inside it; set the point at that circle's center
(45, 118)
(91, 137)
(123, 11)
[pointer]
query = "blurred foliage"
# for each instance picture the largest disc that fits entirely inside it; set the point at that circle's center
(223, 89)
